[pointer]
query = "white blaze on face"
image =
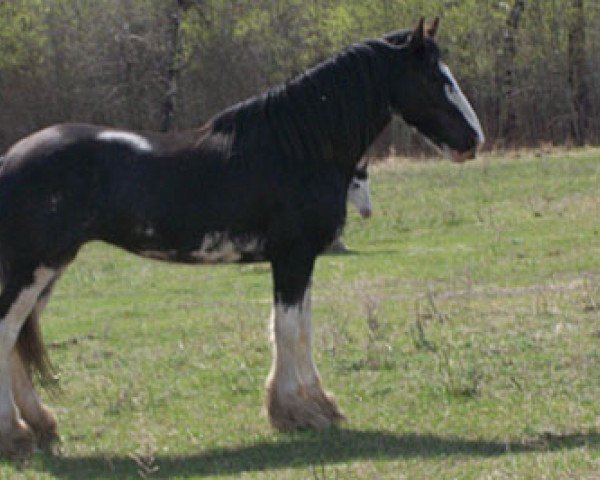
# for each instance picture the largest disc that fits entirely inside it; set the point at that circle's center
(456, 96)
(359, 195)
(133, 139)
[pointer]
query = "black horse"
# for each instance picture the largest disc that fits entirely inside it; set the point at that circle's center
(267, 179)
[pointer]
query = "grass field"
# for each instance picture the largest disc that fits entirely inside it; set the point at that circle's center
(461, 338)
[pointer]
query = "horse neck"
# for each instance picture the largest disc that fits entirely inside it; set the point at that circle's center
(333, 112)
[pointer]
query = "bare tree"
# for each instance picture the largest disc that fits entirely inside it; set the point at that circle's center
(578, 72)
(508, 111)
(173, 46)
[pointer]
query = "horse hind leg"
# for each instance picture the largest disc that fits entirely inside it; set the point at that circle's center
(19, 296)
(31, 349)
(38, 416)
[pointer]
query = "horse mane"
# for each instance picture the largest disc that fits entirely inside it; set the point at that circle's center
(331, 112)
(398, 38)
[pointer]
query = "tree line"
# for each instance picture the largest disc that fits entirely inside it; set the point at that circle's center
(529, 66)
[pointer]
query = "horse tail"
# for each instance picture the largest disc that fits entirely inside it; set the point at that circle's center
(33, 353)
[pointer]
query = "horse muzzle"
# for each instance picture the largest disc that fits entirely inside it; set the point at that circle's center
(365, 212)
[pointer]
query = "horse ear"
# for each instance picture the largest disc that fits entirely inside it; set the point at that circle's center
(417, 39)
(432, 30)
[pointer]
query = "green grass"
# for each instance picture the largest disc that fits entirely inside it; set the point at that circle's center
(461, 339)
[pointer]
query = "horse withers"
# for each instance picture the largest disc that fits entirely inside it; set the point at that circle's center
(266, 179)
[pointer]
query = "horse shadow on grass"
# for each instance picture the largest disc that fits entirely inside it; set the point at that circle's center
(305, 449)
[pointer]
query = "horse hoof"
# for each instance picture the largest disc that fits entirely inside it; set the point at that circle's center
(316, 411)
(18, 444)
(48, 438)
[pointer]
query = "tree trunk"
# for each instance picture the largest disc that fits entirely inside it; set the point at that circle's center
(508, 111)
(578, 73)
(173, 44)
(126, 58)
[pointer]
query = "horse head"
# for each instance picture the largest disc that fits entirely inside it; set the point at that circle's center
(427, 96)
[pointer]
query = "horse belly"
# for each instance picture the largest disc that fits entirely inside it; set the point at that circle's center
(214, 247)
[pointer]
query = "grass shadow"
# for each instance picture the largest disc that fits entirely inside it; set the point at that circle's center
(304, 450)
(359, 253)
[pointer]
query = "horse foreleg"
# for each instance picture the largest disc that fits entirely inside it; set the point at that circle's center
(295, 396)
(19, 297)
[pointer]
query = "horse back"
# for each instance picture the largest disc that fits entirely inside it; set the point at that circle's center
(158, 193)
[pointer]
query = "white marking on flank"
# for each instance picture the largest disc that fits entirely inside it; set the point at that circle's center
(132, 139)
(215, 248)
(456, 96)
(47, 136)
